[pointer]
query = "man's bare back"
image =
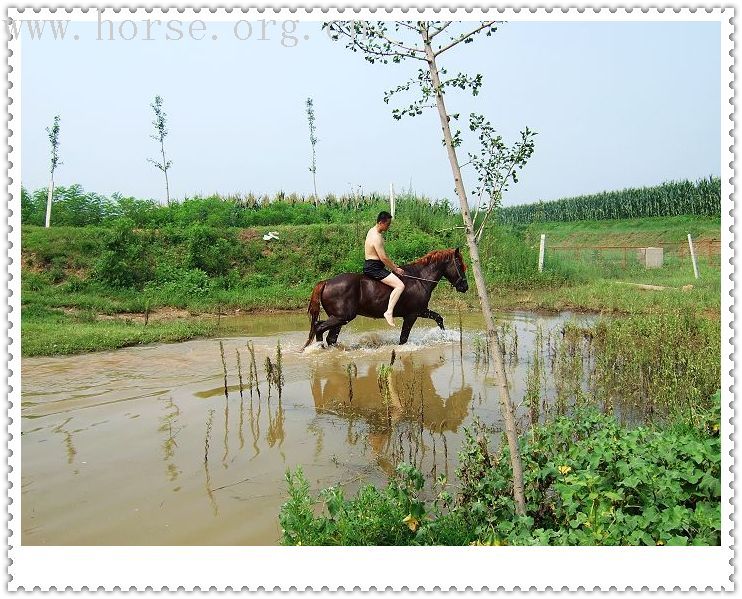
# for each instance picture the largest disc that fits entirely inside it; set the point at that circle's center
(374, 240)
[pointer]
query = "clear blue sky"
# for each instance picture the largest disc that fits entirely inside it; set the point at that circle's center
(614, 104)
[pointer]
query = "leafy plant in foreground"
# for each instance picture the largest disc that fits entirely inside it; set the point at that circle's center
(588, 481)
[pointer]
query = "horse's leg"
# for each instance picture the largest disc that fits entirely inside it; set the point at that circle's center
(332, 335)
(406, 326)
(331, 323)
(434, 316)
(318, 336)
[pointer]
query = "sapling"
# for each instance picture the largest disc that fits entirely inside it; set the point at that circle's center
(161, 132)
(313, 140)
(55, 162)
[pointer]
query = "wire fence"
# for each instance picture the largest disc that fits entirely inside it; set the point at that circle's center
(707, 251)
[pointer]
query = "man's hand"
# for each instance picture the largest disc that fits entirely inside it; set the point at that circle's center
(399, 271)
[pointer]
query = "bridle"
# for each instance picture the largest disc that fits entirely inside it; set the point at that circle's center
(458, 272)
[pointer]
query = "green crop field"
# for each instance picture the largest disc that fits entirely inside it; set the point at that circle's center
(675, 198)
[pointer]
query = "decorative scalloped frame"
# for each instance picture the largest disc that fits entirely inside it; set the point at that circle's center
(254, 568)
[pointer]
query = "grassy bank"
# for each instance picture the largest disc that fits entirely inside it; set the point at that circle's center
(624, 296)
(75, 278)
(52, 332)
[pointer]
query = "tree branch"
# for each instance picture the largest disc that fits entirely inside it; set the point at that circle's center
(385, 46)
(440, 29)
(464, 37)
(410, 27)
(413, 50)
(514, 162)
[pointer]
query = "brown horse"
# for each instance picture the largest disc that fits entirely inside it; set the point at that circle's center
(348, 295)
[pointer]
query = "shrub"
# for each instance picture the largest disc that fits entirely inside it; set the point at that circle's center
(126, 260)
(74, 284)
(176, 280)
(210, 250)
(34, 281)
(508, 260)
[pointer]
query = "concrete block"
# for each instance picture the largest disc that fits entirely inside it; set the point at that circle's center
(654, 257)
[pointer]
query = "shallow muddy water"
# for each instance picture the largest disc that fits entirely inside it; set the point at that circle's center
(141, 445)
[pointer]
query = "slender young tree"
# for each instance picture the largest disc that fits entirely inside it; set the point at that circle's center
(426, 42)
(53, 132)
(313, 140)
(161, 132)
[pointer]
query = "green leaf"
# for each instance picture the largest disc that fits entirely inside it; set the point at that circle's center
(676, 540)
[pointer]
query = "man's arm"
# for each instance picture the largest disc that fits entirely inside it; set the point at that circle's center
(379, 247)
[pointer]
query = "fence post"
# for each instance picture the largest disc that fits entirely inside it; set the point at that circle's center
(392, 200)
(541, 253)
(693, 255)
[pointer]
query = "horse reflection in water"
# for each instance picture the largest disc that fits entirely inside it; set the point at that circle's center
(407, 420)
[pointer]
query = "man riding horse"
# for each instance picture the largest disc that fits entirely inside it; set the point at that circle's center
(373, 294)
(376, 258)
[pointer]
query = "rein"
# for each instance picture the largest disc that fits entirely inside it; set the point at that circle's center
(420, 279)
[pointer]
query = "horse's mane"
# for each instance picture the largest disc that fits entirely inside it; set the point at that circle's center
(434, 256)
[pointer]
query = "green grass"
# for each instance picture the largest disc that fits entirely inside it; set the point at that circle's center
(602, 295)
(48, 332)
(667, 229)
(597, 281)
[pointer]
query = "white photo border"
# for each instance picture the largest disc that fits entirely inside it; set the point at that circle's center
(315, 568)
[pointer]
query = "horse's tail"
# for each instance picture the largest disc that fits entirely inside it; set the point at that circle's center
(315, 303)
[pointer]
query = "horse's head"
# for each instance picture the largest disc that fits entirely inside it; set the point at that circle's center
(455, 272)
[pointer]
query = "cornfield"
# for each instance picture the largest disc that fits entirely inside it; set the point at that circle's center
(673, 198)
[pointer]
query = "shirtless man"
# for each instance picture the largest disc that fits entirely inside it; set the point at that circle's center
(376, 258)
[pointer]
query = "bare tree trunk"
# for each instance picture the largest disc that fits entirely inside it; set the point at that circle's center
(49, 201)
(506, 406)
(314, 180)
(478, 235)
(164, 170)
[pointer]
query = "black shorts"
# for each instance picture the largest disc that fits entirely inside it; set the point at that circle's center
(375, 269)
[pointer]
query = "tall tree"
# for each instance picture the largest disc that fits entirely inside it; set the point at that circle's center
(55, 162)
(426, 42)
(313, 140)
(161, 132)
